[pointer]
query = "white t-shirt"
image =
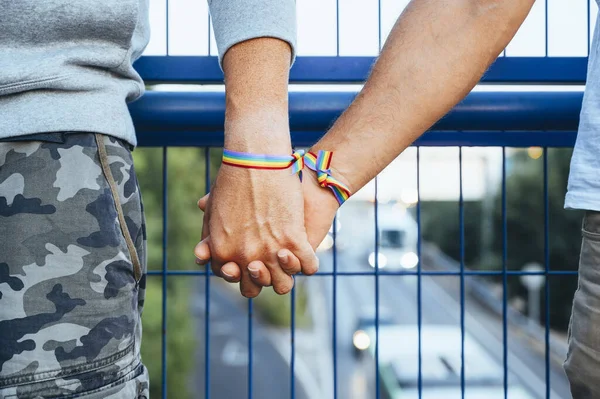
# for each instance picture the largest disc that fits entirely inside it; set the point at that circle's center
(584, 178)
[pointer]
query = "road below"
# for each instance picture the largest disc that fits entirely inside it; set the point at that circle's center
(398, 297)
(440, 305)
(229, 351)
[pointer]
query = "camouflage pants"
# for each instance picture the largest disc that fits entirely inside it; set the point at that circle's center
(72, 270)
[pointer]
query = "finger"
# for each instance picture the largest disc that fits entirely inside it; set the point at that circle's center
(288, 262)
(231, 272)
(202, 202)
(202, 251)
(205, 227)
(308, 259)
(282, 282)
(216, 267)
(259, 273)
(249, 288)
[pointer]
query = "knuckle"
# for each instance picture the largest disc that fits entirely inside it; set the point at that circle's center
(220, 253)
(293, 240)
(254, 251)
(292, 268)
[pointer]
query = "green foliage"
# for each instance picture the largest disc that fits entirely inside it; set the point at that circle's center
(180, 338)
(276, 309)
(440, 224)
(186, 176)
(525, 228)
(186, 184)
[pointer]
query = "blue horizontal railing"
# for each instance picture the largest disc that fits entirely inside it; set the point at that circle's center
(514, 119)
(187, 69)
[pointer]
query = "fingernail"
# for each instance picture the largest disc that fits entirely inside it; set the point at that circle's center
(283, 256)
(254, 272)
(227, 276)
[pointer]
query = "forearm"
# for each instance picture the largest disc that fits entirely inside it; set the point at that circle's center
(436, 53)
(256, 91)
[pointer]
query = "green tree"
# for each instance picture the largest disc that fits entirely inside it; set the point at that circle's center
(186, 183)
(440, 223)
(525, 226)
(525, 218)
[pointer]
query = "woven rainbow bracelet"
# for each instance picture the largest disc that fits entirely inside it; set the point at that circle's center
(319, 163)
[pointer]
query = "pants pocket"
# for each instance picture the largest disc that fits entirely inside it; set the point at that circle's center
(583, 358)
(106, 169)
(129, 382)
(69, 302)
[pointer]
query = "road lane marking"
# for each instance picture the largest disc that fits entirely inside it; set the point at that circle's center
(234, 354)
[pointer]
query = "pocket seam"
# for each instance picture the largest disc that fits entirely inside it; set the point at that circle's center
(590, 235)
(134, 373)
(133, 255)
(68, 372)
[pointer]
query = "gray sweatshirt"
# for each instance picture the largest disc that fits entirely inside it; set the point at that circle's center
(66, 65)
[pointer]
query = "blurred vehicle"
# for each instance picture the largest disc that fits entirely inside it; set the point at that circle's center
(397, 246)
(440, 365)
(367, 319)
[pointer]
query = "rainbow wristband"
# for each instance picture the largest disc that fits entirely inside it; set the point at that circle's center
(260, 161)
(319, 163)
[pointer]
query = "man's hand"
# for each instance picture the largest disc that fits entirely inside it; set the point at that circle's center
(435, 54)
(251, 215)
(320, 207)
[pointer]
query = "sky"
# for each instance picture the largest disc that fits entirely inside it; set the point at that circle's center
(359, 27)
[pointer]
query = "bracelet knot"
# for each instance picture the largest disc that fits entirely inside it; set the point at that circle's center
(320, 163)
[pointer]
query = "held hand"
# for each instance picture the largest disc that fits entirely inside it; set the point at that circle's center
(250, 215)
(319, 210)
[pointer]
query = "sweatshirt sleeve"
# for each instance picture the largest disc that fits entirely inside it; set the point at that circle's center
(235, 21)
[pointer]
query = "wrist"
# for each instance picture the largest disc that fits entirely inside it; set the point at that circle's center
(260, 132)
(312, 189)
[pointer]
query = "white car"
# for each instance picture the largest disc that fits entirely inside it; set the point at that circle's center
(440, 365)
(397, 249)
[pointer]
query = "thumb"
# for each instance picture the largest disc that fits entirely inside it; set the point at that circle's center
(202, 202)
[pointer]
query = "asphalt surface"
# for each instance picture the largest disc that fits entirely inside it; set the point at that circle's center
(440, 305)
(229, 351)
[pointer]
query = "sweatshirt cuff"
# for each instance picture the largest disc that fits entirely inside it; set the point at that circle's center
(235, 21)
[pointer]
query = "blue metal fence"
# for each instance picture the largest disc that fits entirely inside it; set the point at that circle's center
(188, 136)
(499, 119)
(337, 67)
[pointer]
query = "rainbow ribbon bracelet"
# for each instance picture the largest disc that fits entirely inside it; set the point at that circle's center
(319, 163)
